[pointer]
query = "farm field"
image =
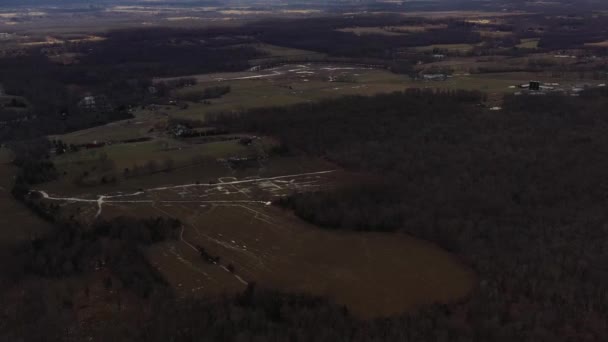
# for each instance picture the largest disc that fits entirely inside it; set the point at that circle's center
(284, 53)
(376, 30)
(288, 84)
(297, 83)
(285, 85)
(142, 125)
(529, 43)
(228, 211)
(127, 155)
(463, 48)
(164, 156)
(233, 218)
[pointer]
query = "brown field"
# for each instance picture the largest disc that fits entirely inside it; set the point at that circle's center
(449, 47)
(416, 28)
(227, 210)
(484, 17)
(392, 30)
(360, 31)
(530, 43)
(232, 218)
(494, 34)
(598, 44)
(288, 84)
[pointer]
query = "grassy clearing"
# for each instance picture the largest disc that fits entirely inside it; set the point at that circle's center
(463, 48)
(164, 149)
(416, 28)
(529, 43)
(384, 31)
(291, 88)
(159, 150)
(598, 44)
(280, 51)
(285, 89)
(296, 87)
(144, 125)
(482, 17)
(494, 34)
(270, 246)
(289, 255)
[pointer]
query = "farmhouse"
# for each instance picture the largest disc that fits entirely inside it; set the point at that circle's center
(88, 102)
(534, 86)
(434, 77)
(94, 103)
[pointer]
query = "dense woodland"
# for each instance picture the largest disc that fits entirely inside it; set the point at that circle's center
(116, 72)
(517, 194)
(322, 35)
(514, 193)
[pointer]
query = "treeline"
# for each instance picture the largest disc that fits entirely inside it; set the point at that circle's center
(517, 194)
(115, 245)
(32, 157)
(322, 35)
(118, 70)
(569, 32)
(313, 128)
(205, 94)
(256, 314)
(371, 206)
(54, 100)
(164, 52)
(41, 300)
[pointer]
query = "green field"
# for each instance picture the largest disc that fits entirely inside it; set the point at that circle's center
(529, 43)
(231, 218)
(359, 31)
(280, 51)
(159, 150)
(289, 89)
(463, 48)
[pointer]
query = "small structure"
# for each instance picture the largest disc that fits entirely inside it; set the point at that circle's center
(87, 102)
(434, 77)
(577, 89)
(95, 103)
(534, 86)
(180, 130)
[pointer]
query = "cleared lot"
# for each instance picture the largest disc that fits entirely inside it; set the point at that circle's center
(232, 219)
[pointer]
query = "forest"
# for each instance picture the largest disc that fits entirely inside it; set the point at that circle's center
(516, 195)
(322, 35)
(118, 70)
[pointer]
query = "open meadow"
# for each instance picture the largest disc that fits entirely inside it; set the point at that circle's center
(232, 235)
